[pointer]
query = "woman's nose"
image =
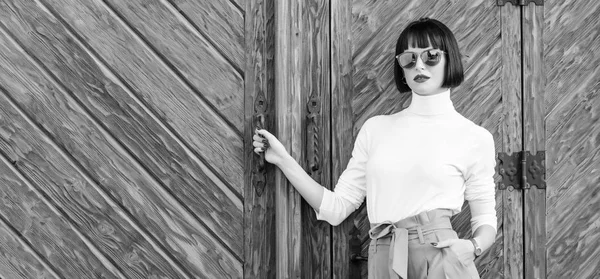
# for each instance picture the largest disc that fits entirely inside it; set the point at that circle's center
(420, 64)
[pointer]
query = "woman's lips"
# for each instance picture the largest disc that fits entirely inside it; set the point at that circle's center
(421, 78)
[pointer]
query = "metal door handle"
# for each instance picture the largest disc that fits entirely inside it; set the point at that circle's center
(312, 138)
(259, 173)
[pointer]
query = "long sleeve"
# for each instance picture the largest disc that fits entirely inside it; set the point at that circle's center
(350, 190)
(480, 187)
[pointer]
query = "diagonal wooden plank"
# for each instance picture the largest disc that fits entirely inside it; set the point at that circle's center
(142, 133)
(181, 240)
(186, 52)
(579, 241)
(46, 232)
(573, 147)
(370, 18)
(218, 21)
(240, 5)
(171, 99)
(97, 219)
(17, 259)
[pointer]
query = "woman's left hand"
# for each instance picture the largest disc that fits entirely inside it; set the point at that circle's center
(463, 248)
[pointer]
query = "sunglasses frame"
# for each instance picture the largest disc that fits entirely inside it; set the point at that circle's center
(419, 55)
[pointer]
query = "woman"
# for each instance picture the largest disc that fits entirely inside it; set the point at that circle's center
(415, 167)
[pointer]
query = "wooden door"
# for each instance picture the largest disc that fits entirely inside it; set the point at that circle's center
(363, 40)
(570, 106)
(122, 139)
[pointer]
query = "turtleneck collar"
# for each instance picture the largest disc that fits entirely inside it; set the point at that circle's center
(431, 105)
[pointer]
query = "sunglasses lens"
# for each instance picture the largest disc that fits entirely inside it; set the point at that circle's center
(431, 57)
(407, 60)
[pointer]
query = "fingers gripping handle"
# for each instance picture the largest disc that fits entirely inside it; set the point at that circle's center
(260, 172)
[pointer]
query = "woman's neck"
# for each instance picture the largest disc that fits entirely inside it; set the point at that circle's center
(431, 104)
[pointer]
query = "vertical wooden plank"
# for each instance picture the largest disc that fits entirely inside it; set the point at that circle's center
(511, 138)
(289, 107)
(534, 139)
(259, 211)
(315, 79)
(341, 121)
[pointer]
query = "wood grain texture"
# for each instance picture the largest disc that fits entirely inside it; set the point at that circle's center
(158, 86)
(183, 243)
(341, 122)
(570, 41)
(59, 180)
(476, 25)
(16, 260)
(43, 242)
(181, 171)
(315, 78)
(220, 22)
(187, 53)
(289, 107)
(259, 211)
(512, 140)
(534, 138)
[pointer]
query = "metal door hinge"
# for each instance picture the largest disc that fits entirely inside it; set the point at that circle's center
(521, 170)
(520, 2)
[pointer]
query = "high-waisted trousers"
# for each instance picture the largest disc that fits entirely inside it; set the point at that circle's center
(403, 249)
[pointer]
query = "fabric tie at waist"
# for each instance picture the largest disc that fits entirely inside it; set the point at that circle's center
(434, 219)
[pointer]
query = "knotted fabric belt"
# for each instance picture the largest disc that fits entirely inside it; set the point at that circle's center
(399, 231)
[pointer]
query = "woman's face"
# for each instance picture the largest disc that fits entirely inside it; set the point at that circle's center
(424, 79)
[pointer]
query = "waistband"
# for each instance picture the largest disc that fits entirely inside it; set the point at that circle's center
(429, 220)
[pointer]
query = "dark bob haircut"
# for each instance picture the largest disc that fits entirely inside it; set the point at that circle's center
(421, 34)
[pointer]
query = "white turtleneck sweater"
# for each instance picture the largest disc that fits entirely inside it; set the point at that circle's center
(425, 157)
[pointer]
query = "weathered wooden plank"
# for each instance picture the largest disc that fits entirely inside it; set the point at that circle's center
(161, 222)
(111, 102)
(100, 221)
(240, 4)
(259, 211)
(186, 52)
(289, 106)
(511, 127)
(50, 246)
(17, 260)
(534, 219)
(341, 121)
(570, 30)
(315, 77)
(370, 17)
(157, 86)
(572, 250)
(221, 22)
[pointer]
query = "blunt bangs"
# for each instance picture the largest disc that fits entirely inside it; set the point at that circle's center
(427, 32)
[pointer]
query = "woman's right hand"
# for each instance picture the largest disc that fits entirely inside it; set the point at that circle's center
(266, 142)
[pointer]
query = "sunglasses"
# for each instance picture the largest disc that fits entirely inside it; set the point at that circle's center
(430, 57)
